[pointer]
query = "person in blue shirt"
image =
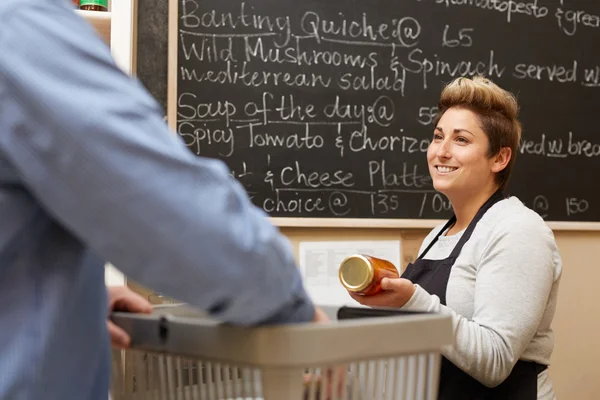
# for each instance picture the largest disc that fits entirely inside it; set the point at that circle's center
(90, 173)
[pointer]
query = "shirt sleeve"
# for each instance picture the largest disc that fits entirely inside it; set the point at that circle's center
(91, 146)
(514, 279)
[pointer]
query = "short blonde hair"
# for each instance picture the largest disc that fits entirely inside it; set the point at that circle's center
(496, 110)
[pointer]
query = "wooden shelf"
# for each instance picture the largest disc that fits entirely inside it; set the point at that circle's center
(101, 20)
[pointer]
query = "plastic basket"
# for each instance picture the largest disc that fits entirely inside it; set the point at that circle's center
(179, 354)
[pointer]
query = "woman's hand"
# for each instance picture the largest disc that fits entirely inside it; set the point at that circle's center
(395, 293)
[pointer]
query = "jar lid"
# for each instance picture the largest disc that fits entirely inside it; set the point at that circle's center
(356, 273)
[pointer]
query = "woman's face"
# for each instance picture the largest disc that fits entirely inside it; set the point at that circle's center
(457, 155)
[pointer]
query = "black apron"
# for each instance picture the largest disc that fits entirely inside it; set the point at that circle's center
(455, 384)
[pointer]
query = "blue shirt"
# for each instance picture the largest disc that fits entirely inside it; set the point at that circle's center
(90, 173)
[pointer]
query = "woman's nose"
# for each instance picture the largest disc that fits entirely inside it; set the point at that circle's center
(443, 150)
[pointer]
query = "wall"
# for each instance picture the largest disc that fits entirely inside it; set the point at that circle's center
(575, 368)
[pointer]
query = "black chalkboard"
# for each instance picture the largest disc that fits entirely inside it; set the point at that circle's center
(363, 78)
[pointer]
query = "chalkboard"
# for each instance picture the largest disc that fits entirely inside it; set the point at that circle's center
(323, 109)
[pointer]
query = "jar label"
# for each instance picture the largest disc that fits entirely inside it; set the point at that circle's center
(103, 3)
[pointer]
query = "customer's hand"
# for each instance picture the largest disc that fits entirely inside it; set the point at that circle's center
(396, 292)
(121, 298)
(337, 373)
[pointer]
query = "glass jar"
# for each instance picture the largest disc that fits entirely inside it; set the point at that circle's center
(362, 274)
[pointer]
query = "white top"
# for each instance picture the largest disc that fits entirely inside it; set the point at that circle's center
(501, 294)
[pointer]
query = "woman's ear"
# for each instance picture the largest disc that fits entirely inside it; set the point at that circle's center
(501, 159)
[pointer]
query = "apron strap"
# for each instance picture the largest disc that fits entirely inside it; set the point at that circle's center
(496, 197)
(450, 222)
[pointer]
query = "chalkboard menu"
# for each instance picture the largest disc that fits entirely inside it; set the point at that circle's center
(324, 109)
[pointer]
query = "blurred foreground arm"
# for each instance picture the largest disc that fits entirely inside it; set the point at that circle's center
(92, 147)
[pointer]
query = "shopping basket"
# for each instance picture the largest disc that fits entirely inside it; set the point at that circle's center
(177, 353)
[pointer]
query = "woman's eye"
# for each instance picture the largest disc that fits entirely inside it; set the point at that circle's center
(437, 136)
(462, 139)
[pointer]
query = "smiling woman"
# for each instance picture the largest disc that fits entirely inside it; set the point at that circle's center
(474, 144)
(494, 266)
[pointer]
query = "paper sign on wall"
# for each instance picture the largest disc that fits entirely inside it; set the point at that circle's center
(319, 263)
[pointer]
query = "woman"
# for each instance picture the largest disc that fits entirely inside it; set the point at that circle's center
(494, 266)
